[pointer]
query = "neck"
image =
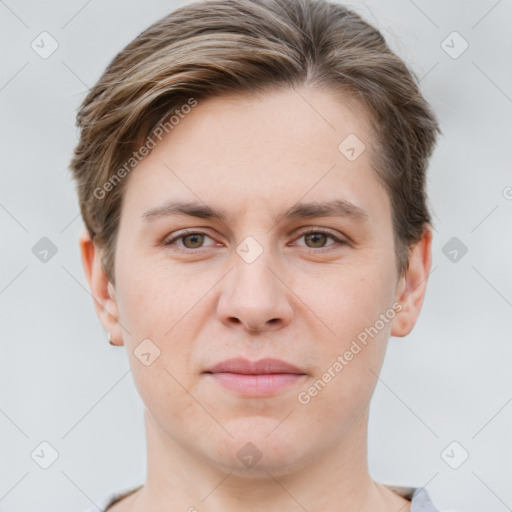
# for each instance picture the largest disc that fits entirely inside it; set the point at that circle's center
(337, 479)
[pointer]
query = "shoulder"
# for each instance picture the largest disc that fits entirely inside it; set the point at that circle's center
(418, 496)
(111, 500)
(421, 501)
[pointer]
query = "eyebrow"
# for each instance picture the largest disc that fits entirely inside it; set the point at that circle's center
(335, 208)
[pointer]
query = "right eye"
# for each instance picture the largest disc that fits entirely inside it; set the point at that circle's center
(189, 240)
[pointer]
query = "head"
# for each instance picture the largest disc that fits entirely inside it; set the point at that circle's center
(252, 180)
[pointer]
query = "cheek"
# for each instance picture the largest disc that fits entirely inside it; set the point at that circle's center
(150, 310)
(153, 298)
(343, 301)
(350, 306)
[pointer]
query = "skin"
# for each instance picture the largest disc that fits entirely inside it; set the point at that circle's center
(304, 300)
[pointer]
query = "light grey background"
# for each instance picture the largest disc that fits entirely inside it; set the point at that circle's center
(60, 380)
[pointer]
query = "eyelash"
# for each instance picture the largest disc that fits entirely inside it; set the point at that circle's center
(184, 234)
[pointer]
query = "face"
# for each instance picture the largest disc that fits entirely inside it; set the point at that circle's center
(248, 233)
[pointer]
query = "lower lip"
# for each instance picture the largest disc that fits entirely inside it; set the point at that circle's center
(257, 385)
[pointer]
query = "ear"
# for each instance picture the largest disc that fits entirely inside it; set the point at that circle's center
(102, 289)
(413, 284)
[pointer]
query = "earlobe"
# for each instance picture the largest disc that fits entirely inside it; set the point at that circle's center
(413, 284)
(102, 290)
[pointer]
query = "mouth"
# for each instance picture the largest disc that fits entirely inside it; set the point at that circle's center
(261, 378)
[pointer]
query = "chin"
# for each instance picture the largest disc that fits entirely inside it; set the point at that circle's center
(258, 445)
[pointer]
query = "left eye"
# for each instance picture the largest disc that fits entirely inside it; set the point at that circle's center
(317, 239)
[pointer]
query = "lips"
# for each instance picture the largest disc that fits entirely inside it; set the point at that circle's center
(255, 379)
(262, 367)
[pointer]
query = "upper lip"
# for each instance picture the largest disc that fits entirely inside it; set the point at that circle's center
(263, 366)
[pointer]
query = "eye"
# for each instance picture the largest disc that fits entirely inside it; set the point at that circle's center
(189, 240)
(193, 240)
(317, 238)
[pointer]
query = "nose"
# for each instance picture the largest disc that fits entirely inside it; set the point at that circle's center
(254, 297)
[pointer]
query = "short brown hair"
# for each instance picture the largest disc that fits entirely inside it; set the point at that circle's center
(218, 47)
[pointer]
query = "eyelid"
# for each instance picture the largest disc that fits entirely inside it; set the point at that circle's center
(317, 229)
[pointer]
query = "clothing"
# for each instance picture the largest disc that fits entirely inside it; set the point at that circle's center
(420, 500)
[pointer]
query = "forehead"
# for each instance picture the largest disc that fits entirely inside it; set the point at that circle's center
(270, 149)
